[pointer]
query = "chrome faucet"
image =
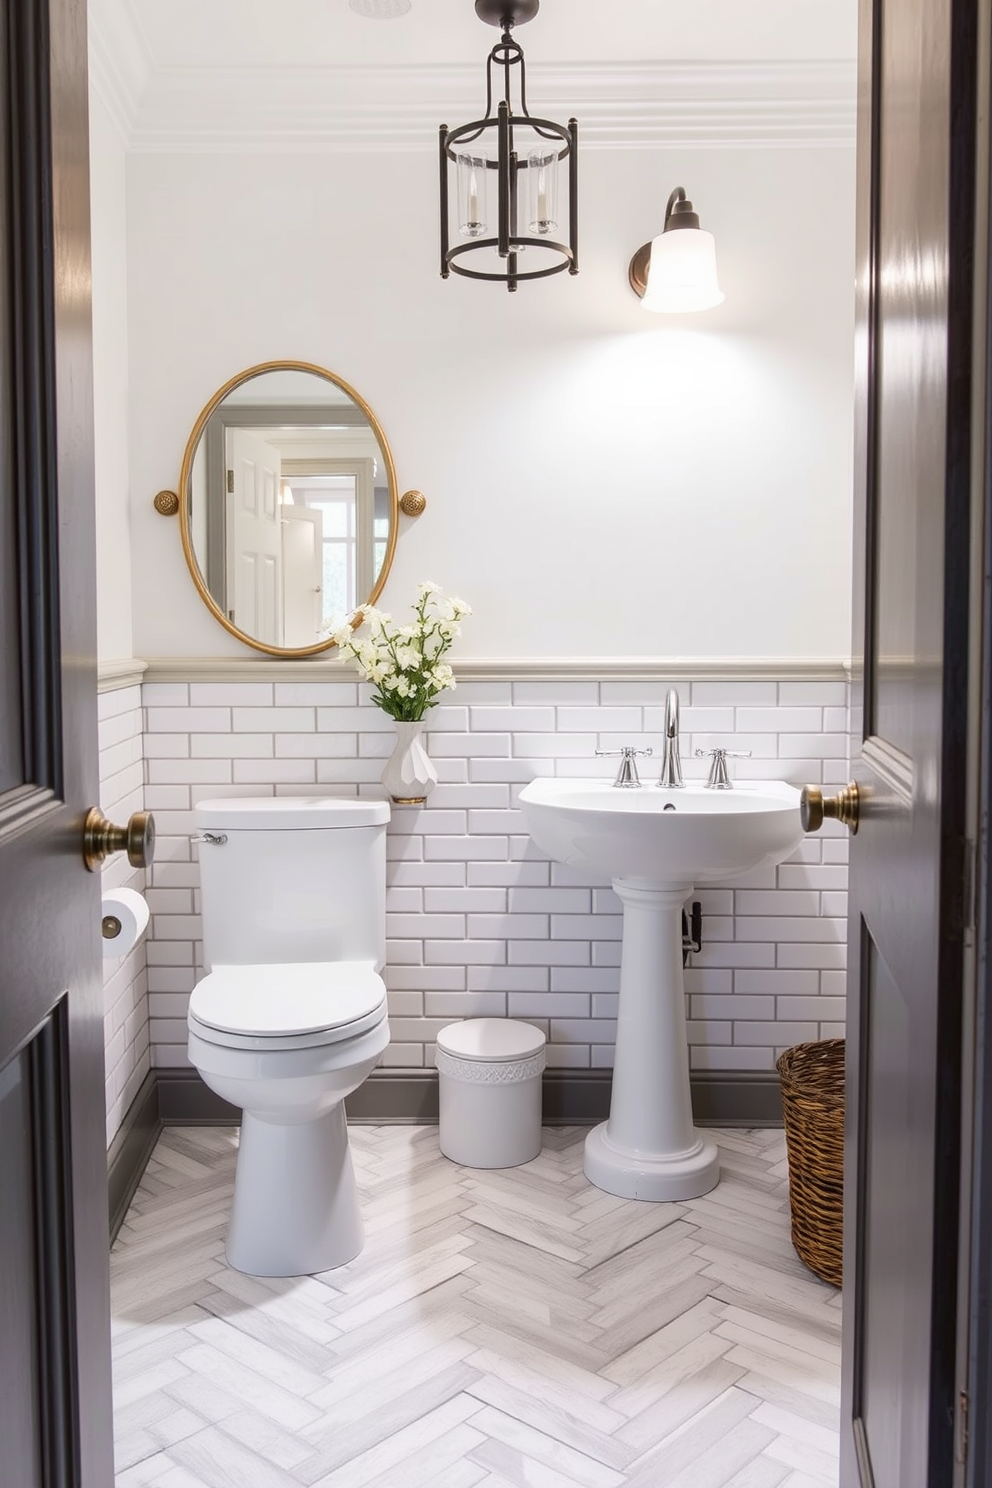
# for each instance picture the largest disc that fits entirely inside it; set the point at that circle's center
(671, 765)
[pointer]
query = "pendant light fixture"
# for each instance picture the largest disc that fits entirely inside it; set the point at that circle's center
(505, 200)
(676, 271)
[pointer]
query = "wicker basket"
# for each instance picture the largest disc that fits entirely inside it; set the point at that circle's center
(812, 1079)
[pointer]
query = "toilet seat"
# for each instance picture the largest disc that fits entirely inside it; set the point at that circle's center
(287, 1005)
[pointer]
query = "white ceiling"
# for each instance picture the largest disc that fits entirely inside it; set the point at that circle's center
(321, 33)
(313, 73)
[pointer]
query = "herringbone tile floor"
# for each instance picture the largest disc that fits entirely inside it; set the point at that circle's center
(513, 1329)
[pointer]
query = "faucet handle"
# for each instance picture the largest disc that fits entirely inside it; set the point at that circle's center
(627, 777)
(719, 779)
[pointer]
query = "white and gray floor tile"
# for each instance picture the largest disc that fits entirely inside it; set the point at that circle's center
(511, 1329)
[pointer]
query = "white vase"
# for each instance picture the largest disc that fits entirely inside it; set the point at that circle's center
(409, 775)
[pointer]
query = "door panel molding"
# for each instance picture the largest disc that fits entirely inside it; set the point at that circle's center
(28, 806)
(32, 324)
(58, 1353)
(890, 764)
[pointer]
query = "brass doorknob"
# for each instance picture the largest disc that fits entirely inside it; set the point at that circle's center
(844, 807)
(100, 839)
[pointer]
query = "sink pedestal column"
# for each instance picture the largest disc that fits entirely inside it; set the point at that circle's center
(649, 1148)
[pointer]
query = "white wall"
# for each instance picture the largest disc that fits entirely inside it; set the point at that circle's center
(600, 481)
(110, 384)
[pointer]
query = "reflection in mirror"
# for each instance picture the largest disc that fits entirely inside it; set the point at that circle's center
(290, 508)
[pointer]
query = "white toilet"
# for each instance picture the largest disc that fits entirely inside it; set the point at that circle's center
(292, 1015)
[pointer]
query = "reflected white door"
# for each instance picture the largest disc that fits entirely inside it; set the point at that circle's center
(254, 537)
(302, 576)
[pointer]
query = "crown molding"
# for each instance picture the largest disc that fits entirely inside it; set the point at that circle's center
(733, 105)
(120, 61)
(512, 669)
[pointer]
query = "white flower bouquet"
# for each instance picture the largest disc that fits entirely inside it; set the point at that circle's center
(404, 662)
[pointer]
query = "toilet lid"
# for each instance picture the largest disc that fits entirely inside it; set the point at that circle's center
(289, 813)
(286, 1000)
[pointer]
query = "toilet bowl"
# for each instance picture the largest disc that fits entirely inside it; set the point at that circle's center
(291, 1017)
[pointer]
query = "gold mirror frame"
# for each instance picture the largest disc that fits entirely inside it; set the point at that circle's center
(185, 487)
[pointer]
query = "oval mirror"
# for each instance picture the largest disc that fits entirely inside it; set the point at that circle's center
(287, 506)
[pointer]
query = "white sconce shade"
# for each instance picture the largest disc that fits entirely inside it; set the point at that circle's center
(676, 271)
(682, 272)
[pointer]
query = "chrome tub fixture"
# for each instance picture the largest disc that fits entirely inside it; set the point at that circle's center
(506, 191)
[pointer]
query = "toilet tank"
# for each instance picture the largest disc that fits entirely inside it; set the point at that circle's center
(298, 878)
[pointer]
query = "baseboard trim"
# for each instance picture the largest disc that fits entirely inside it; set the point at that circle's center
(178, 1097)
(184, 1100)
(736, 1098)
(410, 1097)
(131, 1148)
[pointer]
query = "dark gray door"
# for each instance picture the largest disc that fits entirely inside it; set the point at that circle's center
(917, 135)
(55, 1408)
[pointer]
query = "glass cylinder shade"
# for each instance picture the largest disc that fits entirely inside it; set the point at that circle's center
(682, 273)
(473, 183)
(542, 191)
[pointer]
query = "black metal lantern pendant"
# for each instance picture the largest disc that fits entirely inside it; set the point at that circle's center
(507, 167)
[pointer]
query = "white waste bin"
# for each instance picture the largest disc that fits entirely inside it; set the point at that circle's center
(489, 1075)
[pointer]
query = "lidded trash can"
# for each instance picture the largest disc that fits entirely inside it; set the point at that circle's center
(489, 1079)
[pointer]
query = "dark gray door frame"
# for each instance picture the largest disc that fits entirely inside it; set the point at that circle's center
(975, 1428)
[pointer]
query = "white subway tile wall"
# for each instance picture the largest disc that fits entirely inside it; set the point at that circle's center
(479, 922)
(125, 986)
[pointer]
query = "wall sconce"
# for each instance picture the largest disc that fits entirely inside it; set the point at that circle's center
(506, 196)
(676, 271)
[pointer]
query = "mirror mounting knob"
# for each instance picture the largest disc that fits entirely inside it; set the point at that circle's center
(413, 503)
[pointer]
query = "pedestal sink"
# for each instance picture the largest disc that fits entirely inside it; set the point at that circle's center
(657, 845)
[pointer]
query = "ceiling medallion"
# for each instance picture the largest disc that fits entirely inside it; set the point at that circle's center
(380, 10)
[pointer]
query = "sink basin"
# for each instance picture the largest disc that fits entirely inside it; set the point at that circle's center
(656, 845)
(687, 836)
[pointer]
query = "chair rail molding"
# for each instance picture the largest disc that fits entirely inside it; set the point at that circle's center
(510, 668)
(127, 671)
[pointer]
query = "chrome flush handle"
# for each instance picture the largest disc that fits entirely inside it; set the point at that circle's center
(215, 839)
(627, 777)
